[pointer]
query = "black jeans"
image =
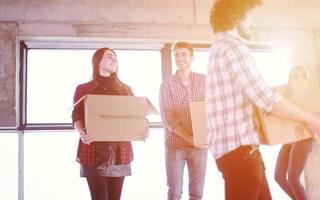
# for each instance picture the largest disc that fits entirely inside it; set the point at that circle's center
(243, 173)
(105, 188)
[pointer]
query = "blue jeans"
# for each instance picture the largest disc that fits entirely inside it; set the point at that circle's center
(176, 158)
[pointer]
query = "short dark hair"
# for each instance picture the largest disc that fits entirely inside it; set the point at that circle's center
(225, 13)
(186, 45)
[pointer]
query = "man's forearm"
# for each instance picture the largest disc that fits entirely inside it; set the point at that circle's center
(286, 109)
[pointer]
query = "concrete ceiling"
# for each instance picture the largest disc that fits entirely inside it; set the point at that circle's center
(289, 14)
(273, 13)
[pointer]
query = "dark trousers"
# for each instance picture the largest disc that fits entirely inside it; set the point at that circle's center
(105, 188)
(243, 173)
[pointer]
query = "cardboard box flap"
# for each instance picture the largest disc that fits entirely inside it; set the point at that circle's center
(117, 106)
(76, 103)
(151, 108)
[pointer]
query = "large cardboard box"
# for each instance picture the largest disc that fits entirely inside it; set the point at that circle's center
(199, 123)
(274, 130)
(116, 118)
(277, 130)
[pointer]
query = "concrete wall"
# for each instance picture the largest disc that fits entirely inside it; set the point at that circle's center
(8, 33)
(105, 18)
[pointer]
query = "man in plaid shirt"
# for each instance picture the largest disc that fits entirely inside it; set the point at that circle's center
(176, 92)
(233, 87)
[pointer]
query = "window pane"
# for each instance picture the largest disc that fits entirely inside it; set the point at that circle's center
(274, 67)
(51, 170)
(53, 75)
(9, 165)
(51, 80)
(141, 70)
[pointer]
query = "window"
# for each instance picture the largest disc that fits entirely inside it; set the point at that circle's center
(273, 64)
(9, 165)
(53, 75)
(50, 166)
(49, 156)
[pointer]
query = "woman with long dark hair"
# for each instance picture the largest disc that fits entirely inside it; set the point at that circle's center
(103, 164)
(293, 157)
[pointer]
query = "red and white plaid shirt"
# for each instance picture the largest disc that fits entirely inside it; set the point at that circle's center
(233, 86)
(174, 105)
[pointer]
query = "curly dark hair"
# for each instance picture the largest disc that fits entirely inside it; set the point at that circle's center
(225, 14)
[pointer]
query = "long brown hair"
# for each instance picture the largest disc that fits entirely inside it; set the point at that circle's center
(96, 59)
(122, 88)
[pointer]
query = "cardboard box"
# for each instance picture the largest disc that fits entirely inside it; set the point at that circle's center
(116, 118)
(274, 130)
(277, 130)
(199, 123)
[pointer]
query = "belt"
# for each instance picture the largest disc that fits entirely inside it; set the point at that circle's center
(248, 150)
(243, 151)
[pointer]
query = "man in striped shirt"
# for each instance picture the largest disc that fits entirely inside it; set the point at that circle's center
(233, 87)
(176, 92)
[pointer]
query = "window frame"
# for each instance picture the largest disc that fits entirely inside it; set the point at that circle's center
(26, 45)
